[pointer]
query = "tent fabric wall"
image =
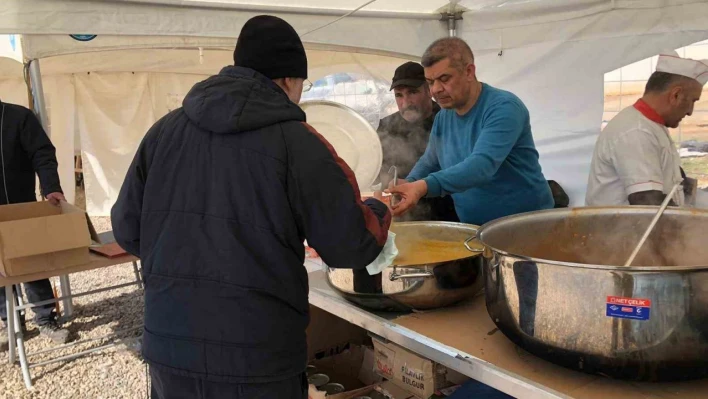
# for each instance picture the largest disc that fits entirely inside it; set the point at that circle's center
(113, 113)
(398, 35)
(14, 90)
(107, 138)
(59, 95)
(10, 68)
(188, 61)
(516, 24)
(105, 160)
(110, 112)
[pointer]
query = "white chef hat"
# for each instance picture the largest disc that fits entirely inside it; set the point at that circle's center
(670, 62)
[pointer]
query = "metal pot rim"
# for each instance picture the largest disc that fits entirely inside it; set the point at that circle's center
(437, 223)
(624, 209)
(474, 230)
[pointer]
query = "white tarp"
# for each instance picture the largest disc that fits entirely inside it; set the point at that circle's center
(12, 85)
(114, 112)
(10, 68)
(494, 23)
(552, 54)
(104, 117)
(62, 114)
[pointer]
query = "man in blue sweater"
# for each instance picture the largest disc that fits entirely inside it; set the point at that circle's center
(481, 149)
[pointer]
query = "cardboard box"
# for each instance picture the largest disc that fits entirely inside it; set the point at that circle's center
(390, 390)
(343, 367)
(339, 349)
(37, 237)
(409, 371)
(354, 368)
(393, 391)
(328, 335)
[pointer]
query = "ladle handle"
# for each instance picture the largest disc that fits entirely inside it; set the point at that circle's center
(467, 245)
(395, 276)
(393, 170)
(662, 208)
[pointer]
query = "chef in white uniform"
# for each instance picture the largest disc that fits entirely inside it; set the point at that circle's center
(635, 160)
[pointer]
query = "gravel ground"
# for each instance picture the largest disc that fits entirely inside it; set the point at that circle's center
(117, 372)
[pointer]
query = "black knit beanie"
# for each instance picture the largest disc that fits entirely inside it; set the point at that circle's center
(271, 46)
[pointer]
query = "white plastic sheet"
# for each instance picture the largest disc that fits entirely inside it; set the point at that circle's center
(14, 91)
(62, 113)
(113, 113)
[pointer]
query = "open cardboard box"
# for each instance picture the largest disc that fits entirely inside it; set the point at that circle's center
(329, 335)
(415, 374)
(353, 369)
(38, 236)
(343, 351)
(342, 368)
(339, 349)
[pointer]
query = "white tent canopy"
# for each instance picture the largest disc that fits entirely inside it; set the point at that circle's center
(146, 56)
(10, 68)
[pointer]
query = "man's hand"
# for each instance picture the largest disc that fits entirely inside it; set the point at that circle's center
(55, 198)
(409, 194)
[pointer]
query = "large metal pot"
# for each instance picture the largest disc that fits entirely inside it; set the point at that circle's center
(554, 287)
(419, 286)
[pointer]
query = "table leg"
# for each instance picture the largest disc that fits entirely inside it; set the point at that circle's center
(138, 276)
(19, 337)
(65, 291)
(10, 323)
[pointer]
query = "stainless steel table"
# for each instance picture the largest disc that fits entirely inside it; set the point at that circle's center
(464, 338)
(384, 325)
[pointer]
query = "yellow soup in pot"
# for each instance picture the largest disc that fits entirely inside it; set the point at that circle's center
(421, 252)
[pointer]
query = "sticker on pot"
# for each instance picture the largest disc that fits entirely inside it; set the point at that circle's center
(628, 308)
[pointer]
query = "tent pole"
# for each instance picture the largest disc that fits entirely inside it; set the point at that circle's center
(451, 26)
(451, 19)
(38, 94)
(452, 16)
(28, 85)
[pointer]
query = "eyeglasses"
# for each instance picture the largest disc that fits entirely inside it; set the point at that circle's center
(306, 85)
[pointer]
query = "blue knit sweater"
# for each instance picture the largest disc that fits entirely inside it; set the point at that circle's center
(486, 159)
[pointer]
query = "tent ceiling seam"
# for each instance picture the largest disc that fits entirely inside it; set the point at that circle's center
(282, 10)
(339, 19)
(605, 9)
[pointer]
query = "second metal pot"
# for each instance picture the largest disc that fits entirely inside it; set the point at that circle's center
(424, 286)
(554, 287)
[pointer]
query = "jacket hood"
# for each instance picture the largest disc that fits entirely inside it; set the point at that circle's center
(239, 100)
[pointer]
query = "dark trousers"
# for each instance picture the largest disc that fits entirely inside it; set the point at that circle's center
(171, 386)
(37, 291)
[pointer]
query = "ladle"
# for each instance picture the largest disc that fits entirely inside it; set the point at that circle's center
(393, 170)
(662, 208)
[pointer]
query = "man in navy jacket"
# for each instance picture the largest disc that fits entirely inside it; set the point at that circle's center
(217, 203)
(27, 153)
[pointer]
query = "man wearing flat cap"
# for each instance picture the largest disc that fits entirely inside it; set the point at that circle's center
(217, 203)
(635, 160)
(405, 134)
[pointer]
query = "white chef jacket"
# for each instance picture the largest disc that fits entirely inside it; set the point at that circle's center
(633, 154)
